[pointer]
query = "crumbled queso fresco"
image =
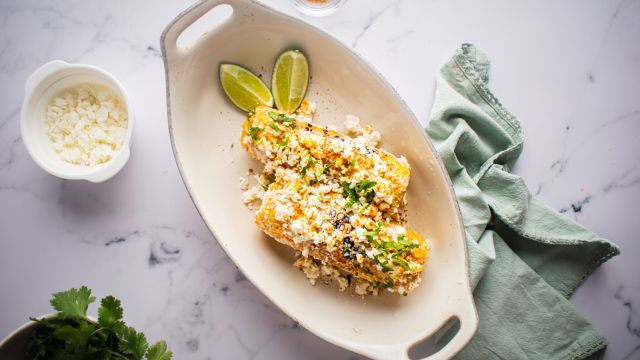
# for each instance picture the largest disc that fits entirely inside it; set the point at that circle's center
(87, 124)
(337, 200)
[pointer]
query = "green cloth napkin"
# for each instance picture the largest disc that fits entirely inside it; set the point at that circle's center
(525, 259)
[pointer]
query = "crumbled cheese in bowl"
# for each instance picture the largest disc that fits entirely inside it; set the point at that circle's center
(87, 124)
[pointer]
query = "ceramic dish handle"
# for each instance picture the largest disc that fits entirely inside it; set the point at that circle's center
(468, 318)
(171, 33)
(468, 326)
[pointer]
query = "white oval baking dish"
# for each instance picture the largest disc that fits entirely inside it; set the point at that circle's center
(205, 130)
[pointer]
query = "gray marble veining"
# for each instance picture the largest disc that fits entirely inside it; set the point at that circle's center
(569, 70)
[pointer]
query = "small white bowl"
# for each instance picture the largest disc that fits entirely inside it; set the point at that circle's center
(50, 79)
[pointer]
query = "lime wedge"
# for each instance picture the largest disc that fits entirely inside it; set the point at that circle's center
(243, 88)
(290, 80)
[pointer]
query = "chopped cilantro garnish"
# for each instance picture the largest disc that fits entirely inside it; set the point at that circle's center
(396, 249)
(364, 185)
(283, 142)
(383, 286)
(253, 132)
(352, 162)
(281, 118)
(350, 202)
(375, 231)
(404, 264)
(310, 162)
(275, 127)
(364, 188)
(382, 263)
(349, 193)
(324, 168)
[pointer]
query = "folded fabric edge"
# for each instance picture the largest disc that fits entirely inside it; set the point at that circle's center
(469, 67)
(608, 251)
(604, 250)
(586, 348)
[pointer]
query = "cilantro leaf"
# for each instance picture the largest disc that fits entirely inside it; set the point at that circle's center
(283, 142)
(382, 263)
(401, 244)
(325, 166)
(375, 231)
(133, 342)
(253, 132)
(363, 185)
(383, 286)
(352, 163)
(364, 208)
(369, 195)
(310, 162)
(110, 312)
(282, 118)
(363, 188)
(275, 128)
(75, 337)
(372, 232)
(401, 262)
(72, 303)
(349, 193)
(159, 351)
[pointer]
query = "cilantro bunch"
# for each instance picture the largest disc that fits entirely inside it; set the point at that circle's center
(72, 335)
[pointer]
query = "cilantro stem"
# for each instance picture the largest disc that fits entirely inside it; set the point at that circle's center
(119, 356)
(98, 330)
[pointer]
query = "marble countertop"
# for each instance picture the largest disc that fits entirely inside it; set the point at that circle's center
(569, 70)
